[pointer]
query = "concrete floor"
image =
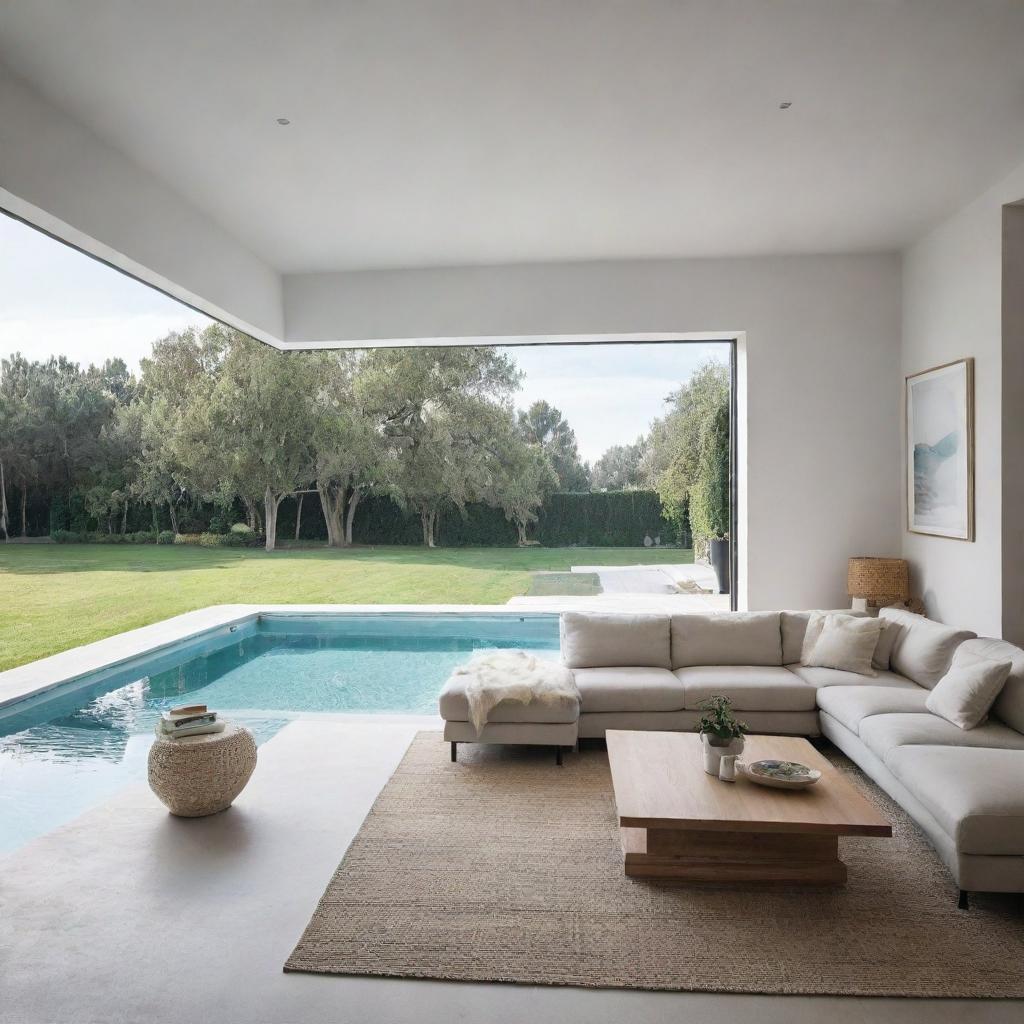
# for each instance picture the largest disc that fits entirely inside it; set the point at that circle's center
(130, 915)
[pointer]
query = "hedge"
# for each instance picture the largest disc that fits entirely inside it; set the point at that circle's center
(585, 519)
(602, 519)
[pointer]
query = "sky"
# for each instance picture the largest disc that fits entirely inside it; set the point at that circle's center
(55, 300)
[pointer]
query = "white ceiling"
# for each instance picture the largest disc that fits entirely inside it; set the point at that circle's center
(446, 133)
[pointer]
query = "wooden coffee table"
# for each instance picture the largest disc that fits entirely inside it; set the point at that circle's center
(680, 823)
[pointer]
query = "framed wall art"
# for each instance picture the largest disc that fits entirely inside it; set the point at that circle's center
(940, 450)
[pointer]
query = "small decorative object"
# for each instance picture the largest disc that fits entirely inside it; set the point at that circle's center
(720, 732)
(874, 583)
(940, 451)
(780, 774)
(727, 767)
(201, 774)
(189, 720)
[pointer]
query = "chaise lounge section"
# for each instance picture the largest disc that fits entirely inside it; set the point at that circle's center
(964, 787)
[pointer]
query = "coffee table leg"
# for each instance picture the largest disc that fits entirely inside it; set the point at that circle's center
(713, 856)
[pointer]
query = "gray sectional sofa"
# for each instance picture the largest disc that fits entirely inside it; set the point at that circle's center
(965, 788)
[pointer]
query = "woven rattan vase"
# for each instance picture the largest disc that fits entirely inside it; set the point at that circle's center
(199, 775)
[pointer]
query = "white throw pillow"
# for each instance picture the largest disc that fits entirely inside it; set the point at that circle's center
(815, 624)
(846, 643)
(965, 693)
(886, 642)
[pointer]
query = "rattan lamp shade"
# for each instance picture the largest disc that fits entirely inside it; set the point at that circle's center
(878, 579)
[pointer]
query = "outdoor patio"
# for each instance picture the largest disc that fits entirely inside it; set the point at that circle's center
(130, 914)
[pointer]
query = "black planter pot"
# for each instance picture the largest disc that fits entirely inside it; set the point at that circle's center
(720, 563)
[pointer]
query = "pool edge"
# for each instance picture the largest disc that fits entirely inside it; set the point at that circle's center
(37, 677)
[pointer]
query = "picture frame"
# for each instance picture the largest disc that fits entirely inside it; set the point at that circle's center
(939, 450)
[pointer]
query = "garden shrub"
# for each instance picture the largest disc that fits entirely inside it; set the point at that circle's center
(248, 539)
(165, 537)
(242, 529)
(219, 522)
(67, 537)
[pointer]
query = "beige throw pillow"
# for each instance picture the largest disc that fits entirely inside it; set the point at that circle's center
(965, 693)
(846, 643)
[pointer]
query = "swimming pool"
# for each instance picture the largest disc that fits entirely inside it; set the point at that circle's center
(65, 750)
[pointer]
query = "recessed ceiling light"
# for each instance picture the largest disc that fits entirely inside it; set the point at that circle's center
(283, 120)
(785, 104)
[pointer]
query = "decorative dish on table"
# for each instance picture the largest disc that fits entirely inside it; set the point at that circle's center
(780, 774)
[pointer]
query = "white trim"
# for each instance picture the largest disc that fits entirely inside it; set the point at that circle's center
(62, 232)
(520, 340)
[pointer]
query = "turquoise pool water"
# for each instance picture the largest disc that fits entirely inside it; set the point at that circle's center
(67, 750)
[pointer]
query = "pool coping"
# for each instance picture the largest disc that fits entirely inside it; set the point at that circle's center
(37, 677)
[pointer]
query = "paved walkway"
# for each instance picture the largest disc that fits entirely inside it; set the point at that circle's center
(632, 579)
(640, 588)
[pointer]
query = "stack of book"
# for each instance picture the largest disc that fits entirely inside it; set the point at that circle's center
(192, 720)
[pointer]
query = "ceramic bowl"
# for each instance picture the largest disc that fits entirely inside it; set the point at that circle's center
(781, 774)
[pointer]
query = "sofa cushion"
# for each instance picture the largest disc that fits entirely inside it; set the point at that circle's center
(1009, 705)
(882, 734)
(850, 705)
(820, 677)
(966, 692)
(601, 640)
(882, 657)
(975, 794)
(749, 687)
(454, 707)
(793, 626)
(631, 688)
(728, 638)
(844, 642)
(924, 650)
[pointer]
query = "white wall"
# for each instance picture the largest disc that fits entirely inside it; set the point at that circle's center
(822, 375)
(951, 309)
(60, 177)
(1013, 423)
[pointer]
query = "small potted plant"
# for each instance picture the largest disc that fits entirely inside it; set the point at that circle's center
(721, 732)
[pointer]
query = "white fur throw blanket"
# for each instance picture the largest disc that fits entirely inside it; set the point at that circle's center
(493, 676)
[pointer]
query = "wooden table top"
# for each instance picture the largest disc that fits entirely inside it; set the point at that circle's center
(660, 782)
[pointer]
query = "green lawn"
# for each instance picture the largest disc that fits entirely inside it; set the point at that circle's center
(56, 596)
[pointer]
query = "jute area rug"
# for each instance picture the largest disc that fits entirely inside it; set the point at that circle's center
(504, 867)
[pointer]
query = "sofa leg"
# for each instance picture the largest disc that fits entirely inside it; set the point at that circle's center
(963, 903)
(558, 756)
(455, 756)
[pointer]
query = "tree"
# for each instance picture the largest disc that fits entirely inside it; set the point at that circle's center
(709, 495)
(689, 453)
(435, 409)
(521, 479)
(253, 435)
(350, 449)
(543, 425)
(180, 373)
(620, 468)
(20, 432)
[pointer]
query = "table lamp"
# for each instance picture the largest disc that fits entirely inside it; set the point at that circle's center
(876, 582)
